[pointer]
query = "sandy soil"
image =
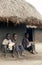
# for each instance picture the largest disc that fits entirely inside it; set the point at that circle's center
(27, 59)
(24, 62)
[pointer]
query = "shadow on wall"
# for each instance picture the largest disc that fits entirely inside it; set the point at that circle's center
(19, 30)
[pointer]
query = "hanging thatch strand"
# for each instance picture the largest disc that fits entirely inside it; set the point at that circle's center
(19, 11)
(33, 21)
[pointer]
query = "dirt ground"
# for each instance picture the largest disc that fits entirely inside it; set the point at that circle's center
(24, 62)
(27, 59)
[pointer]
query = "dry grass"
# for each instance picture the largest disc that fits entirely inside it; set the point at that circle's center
(17, 8)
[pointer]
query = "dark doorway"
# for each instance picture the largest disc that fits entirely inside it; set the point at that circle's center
(29, 31)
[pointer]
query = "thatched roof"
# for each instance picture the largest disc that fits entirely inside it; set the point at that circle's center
(18, 11)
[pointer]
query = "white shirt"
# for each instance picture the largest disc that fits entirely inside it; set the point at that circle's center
(11, 44)
(6, 41)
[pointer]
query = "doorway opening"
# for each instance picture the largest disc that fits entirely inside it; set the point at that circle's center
(30, 31)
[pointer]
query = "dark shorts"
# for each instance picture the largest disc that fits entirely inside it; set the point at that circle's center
(19, 48)
(29, 48)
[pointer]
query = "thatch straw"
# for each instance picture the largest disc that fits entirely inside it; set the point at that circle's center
(18, 11)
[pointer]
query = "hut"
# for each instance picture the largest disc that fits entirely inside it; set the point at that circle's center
(20, 17)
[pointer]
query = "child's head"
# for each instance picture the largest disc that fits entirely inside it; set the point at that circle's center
(14, 36)
(26, 35)
(8, 36)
